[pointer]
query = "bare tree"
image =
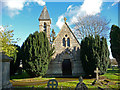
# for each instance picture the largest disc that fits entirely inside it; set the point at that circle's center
(91, 25)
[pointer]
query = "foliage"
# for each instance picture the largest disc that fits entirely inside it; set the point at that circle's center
(36, 54)
(7, 41)
(14, 64)
(115, 42)
(53, 35)
(91, 25)
(94, 53)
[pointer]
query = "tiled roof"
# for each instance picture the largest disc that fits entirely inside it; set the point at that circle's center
(44, 14)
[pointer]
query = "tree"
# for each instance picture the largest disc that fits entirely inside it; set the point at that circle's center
(8, 46)
(115, 42)
(53, 35)
(14, 64)
(7, 41)
(94, 53)
(91, 25)
(37, 54)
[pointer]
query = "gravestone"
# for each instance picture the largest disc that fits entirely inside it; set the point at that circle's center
(97, 72)
(52, 83)
(5, 71)
(96, 81)
(112, 68)
(81, 85)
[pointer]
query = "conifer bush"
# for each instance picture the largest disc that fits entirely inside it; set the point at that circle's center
(94, 53)
(36, 54)
(14, 64)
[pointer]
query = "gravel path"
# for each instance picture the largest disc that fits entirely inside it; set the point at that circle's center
(37, 82)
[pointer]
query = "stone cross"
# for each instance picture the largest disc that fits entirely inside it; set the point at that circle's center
(97, 71)
(65, 19)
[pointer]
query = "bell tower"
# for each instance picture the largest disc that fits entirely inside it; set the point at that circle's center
(44, 22)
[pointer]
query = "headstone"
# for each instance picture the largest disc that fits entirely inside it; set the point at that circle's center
(97, 72)
(5, 71)
(80, 85)
(52, 83)
(112, 68)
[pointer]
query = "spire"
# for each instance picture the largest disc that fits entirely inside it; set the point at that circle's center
(44, 14)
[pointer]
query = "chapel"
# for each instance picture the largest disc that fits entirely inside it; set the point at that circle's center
(66, 60)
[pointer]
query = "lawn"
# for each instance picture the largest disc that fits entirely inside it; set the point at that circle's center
(39, 82)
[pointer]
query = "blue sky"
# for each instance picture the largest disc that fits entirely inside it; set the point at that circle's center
(23, 16)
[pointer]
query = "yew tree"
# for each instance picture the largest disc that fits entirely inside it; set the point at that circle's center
(36, 54)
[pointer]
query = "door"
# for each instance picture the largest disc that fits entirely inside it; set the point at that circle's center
(66, 67)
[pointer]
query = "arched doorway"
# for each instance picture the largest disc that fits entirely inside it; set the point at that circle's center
(66, 67)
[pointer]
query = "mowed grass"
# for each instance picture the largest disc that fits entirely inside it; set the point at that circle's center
(39, 82)
(112, 74)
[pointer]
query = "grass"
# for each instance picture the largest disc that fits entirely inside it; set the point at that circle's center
(39, 82)
(112, 74)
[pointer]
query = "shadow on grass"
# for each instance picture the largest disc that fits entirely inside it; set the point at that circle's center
(113, 71)
(20, 76)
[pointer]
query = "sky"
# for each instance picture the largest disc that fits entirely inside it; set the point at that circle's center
(22, 15)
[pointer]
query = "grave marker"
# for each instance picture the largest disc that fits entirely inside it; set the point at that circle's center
(52, 83)
(97, 72)
(80, 85)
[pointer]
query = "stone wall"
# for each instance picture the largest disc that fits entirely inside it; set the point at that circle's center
(71, 52)
(41, 26)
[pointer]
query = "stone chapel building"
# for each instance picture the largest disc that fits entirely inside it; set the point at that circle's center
(66, 60)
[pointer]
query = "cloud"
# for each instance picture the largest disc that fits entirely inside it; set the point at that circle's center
(60, 21)
(40, 2)
(1, 28)
(89, 7)
(15, 6)
(115, 2)
(111, 57)
(69, 7)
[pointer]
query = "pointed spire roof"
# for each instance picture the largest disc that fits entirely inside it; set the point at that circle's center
(44, 14)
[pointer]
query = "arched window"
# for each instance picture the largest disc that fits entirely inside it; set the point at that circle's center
(64, 42)
(45, 27)
(68, 42)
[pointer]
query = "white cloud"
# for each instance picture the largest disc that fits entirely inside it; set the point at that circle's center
(69, 7)
(40, 2)
(89, 7)
(1, 28)
(15, 6)
(111, 57)
(60, 21)
(115, 2)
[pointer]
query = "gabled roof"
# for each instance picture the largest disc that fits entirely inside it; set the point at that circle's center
(70, 31)
(44, 14)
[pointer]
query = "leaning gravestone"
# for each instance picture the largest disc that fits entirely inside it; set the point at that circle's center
(81, 85)
(5, 71)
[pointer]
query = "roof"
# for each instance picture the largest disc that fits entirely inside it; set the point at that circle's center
(44, 14)
(70, 31)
